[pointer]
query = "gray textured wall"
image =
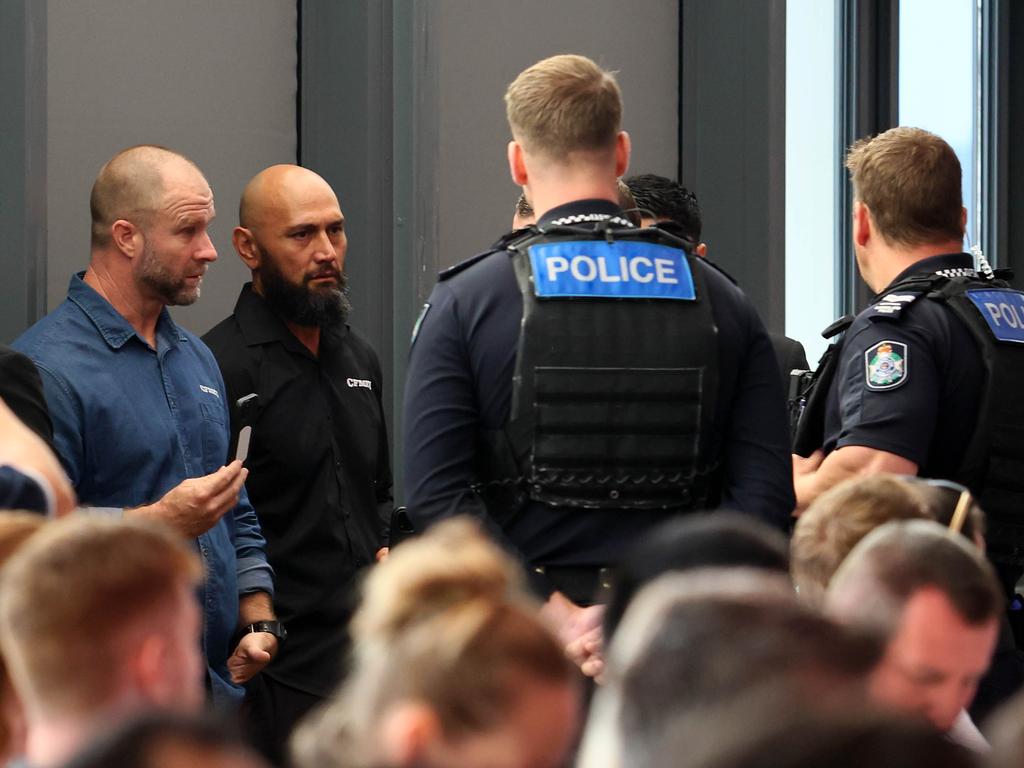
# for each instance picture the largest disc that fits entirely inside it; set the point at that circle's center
(482, 46)
(215, 80)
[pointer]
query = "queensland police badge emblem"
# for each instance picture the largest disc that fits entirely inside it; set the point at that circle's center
(885, 365)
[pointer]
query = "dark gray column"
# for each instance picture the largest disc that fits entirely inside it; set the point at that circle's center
(733, 139)
(23, 160)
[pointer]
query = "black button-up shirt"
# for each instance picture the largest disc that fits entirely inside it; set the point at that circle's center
(319, 474)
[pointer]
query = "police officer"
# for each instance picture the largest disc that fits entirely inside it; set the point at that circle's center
(585, 380)
(926, 380)
(910, 376)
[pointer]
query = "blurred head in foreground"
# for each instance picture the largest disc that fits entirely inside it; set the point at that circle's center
(452, 667)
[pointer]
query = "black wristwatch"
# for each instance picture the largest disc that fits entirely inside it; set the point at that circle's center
(276, 628)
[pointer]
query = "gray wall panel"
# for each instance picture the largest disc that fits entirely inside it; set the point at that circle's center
(22, 165)
(482, 46)
(215, 80)
(734, 140)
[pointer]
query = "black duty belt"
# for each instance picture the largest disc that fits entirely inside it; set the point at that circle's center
(583, 585)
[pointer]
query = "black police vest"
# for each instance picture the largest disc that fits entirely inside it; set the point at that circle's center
(616, 373)
(994, 460)
(993, 463)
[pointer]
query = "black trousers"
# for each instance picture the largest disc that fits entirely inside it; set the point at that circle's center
(270, 713)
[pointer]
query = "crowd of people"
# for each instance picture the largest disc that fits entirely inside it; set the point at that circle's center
(619, 546)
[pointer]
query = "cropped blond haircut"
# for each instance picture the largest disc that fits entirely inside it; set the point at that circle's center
(833, 524)
(562, 105)
(445, 621)
(910, 181)
(71, 596)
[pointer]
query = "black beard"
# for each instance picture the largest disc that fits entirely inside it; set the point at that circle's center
(302, 305)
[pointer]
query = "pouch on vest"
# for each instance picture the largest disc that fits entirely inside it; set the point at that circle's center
(809, 394)
(616, 373)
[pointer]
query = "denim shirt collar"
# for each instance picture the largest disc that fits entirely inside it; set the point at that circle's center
(115, 330)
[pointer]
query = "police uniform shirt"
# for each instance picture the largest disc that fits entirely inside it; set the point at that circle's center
(319, 475)
(910, 377)
(460, 382)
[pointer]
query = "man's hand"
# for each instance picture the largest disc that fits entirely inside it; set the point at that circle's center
(588, 652)
(253, 653)
(195, 505)
(578, 628)
(803, 475)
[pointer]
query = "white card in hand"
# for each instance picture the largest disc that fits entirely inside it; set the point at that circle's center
(244, 434)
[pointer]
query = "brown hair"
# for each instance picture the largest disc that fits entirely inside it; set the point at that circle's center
(833, 524)
(129, 186)
(84, 574)
(445, 621)
(562, 105)
(893, 562)
(909, 179)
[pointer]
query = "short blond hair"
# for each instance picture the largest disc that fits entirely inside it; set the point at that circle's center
(833, 524)
(562, 105)
(71, 595)
(130, 186)
(909, 179)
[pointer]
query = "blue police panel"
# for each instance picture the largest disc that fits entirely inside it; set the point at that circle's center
(1003, 310)
(621, 270)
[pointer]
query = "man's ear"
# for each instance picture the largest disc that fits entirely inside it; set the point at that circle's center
(409, 731)
(862, 223)
(623, 149)
(516, 163)
(963, 221)
(148, 663)
(245, 246)
(701, 249)
(127, 238)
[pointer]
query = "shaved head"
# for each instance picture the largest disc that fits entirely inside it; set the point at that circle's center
(130, 186)
(291, 234)
(275, 191)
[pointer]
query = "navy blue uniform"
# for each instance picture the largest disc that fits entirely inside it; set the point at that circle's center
(910, 377)
(460, 383)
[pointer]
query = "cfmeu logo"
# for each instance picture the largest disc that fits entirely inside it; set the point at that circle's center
(364, 383)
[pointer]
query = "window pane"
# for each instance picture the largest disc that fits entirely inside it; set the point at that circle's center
(937, 79)
(810, 171)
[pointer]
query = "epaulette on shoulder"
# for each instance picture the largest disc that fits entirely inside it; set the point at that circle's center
(892, 305)
(447, 274)
(718, 269)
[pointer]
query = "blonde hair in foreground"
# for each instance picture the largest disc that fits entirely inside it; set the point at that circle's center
(444, 621)
(85, 574)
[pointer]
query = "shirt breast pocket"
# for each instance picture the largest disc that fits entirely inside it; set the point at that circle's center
(214, 433)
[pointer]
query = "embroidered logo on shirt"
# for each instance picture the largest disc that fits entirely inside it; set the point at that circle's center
(210, 391)
(364, 383)
(885, 365)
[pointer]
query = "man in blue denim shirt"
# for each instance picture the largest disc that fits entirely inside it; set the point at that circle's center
(140, 421)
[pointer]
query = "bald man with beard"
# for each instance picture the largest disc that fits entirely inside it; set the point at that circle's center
(319, 472)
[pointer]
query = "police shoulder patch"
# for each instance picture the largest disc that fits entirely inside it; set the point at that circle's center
(885, 365)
